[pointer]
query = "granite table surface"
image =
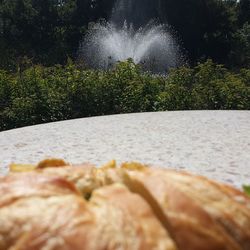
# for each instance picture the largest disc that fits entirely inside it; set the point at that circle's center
(215, 144)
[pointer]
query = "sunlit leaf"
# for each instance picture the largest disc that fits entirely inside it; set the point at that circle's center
(246, 189)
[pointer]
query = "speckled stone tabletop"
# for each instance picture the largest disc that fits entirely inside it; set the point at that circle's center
(211, 143)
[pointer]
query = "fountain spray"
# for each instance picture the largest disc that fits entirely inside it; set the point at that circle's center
(151, 45)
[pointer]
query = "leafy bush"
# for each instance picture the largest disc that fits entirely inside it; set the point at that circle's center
(246, 189)
(40, 94)
(217, 88)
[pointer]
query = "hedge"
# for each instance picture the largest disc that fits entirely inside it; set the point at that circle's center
(39, 94)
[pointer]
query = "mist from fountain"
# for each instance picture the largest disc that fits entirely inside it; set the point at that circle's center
(152, 45)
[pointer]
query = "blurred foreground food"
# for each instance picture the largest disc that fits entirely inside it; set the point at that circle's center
(58, 206)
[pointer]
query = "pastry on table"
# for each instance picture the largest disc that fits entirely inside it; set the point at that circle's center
(55, 205)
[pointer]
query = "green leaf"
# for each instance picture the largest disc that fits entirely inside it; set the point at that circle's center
(246, 189)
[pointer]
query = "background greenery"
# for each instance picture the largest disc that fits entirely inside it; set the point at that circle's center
(44, 94)
(41, 79)
(49, 31)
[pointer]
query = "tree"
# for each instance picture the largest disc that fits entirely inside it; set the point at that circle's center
(204, 26)
(240, 54)
(50, 31)
(47, 31)
(244, 12)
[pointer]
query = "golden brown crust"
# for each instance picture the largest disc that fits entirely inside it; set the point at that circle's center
(57, 222)
(51, 163)
(41, 212)
(83, 176)
(47, 163)
(54, 216)
(218, 200)
(24, 185)
(132, 207)
(128, 212)
(188, 223)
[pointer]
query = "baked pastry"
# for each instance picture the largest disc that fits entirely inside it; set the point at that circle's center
(55, 206)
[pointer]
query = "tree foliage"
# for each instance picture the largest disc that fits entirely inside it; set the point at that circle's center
(46, 31)
(46, 94)
(49, 32)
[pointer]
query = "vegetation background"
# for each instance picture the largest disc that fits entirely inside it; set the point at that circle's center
(41, 79)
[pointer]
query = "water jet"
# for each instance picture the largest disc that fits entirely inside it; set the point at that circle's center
(151, 45)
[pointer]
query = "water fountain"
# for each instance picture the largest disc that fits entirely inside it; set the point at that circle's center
(151, 45)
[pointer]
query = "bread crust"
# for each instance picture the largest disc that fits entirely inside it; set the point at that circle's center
(128, 212)
(48, 213)
(224, 204)
(130, 207)
(188, 223)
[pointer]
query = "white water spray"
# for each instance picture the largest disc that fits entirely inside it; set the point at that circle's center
(152, 46)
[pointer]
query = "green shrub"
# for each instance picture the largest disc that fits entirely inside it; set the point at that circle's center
(6, 90)
(217, 88)
(177, 90)
(40, 94)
